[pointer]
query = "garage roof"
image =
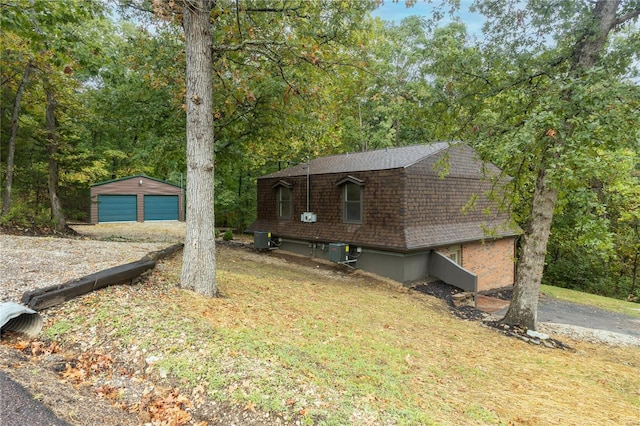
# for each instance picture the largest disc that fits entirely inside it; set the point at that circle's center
(135, 177)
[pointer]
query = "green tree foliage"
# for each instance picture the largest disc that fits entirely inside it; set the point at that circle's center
(595, 241)
(554, 95)
(45, 36)
(135, 102)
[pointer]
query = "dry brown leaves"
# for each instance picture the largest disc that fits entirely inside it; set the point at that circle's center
(158, 407)
(35, 347)
(87, 365)
(165, 407)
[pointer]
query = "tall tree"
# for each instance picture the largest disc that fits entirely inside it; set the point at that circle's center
(6, 197)
(53, 180)
(49, 38)
(199, 262)
(261, 50)
(560, 75)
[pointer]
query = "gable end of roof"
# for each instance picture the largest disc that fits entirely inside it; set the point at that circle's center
(350, 179)
(134, 177)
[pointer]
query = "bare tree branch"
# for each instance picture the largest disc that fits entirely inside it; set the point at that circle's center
(245, 43)
(627, 17)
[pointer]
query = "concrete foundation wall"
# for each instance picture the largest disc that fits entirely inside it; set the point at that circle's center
(402, 267)
(491, 261)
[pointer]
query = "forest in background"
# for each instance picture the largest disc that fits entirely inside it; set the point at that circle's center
(95, 90)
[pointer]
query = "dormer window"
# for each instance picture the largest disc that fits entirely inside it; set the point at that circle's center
(353, 205)
(284, 203)
(284, 199)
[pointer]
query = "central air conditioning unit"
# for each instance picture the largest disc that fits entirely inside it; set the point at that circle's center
(262, 240)
(308, 217)
(339, 252)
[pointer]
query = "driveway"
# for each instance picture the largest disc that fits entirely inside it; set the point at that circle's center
(18, 408)
(563, 312)
(584, 322)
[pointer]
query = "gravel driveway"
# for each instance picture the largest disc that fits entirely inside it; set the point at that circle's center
(29, 263)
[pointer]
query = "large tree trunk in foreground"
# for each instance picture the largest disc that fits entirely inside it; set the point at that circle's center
(198, 260)
(52, 145)
(523, 310)
(6, 198)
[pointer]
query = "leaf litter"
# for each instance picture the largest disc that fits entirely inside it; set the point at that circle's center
(104, 346)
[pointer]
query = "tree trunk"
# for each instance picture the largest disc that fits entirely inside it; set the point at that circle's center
(6, 198)
(199, 261)
(523, 310)
(52, 146)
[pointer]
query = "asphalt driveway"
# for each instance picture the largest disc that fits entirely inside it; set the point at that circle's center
(18, 408)
(562, 312)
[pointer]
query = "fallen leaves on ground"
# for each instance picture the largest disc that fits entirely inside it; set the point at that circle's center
(165, 408)
(159, 406)
(36, 347)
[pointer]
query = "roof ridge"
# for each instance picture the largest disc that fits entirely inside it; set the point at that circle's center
(386, 149)
(378, 159)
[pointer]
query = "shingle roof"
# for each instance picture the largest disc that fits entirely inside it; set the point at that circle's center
(381, 159)
(435, 235)
(134, 177)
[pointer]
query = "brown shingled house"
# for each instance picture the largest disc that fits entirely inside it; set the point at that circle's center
(406, 213)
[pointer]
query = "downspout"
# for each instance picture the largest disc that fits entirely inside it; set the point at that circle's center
(308, 169)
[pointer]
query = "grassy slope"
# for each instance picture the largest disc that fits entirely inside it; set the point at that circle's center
(338, 349)
(615, 305)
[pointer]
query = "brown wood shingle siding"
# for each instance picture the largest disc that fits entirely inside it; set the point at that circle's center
(405, 208)
(382, 222)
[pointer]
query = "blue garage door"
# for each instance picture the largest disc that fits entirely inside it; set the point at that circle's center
(160, 207)
(117, 208)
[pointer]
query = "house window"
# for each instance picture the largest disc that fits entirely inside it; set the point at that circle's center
(455, 254)
(284, 203)
(352, 203)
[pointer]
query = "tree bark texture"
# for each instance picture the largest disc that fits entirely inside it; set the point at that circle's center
(523, 310)
(199, 261)
(589, 48)
(6, 197)
(52, 146)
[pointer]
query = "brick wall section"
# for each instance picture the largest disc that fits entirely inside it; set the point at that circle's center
(131, 186)
(491, 261)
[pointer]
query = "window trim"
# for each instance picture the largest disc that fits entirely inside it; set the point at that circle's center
(455, 254)
(346, 202)
(281, 203)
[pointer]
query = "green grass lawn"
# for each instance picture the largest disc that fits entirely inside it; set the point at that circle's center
(323, 347)
(615, 305)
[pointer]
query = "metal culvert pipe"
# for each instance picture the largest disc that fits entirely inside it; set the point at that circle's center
(19, 318)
